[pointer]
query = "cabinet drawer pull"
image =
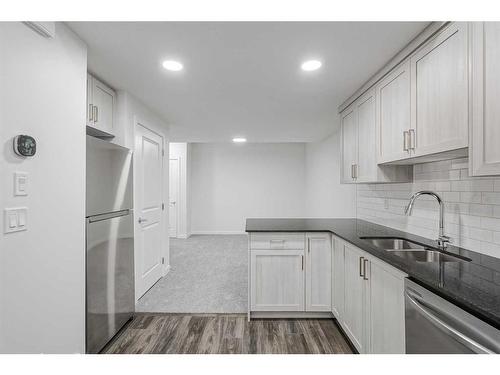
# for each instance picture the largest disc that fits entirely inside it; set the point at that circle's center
(365, 262)
(354, 171)
(405, 140)
(361, 266)
(302, 260)
(91, 112)
(96, 115)
(413, 142)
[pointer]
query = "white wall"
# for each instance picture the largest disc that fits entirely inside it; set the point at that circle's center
(42, 270)
(182, 152)
(325, 196)
(232, 182)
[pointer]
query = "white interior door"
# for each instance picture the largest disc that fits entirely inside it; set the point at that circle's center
(173, 194)
(149, 217)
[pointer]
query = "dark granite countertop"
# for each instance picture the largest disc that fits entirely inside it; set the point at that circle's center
(473, 285)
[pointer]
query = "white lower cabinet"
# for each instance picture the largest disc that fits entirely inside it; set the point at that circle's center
(290, 280)
(318, 272)
(371, 308)
(387, 309)
(277, 280)
(338, 278)
(355, 306)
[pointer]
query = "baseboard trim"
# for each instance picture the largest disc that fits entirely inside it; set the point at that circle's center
(291, 315)
(201, 232)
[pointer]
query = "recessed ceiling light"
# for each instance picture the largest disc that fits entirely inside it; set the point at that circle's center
(239, 140)
(311, 65)
(172, 65)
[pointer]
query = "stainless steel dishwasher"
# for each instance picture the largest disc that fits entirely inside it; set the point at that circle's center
(434, 325)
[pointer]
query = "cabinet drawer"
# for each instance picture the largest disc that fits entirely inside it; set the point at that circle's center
(277, 241)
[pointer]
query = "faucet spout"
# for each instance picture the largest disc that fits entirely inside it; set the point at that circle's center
(442, 240)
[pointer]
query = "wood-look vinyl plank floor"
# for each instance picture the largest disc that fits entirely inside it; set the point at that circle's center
(227, 334)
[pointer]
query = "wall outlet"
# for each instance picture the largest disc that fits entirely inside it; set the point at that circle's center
(15, 219)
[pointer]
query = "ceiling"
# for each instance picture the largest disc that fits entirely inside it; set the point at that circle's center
(243, 78)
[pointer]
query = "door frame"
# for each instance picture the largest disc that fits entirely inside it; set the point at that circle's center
(178, 159)
(164, 215)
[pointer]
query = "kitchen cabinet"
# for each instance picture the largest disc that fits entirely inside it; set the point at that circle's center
(484, 152)
(373, 304)
(440, 92)
(387, 308)
(349, 131)
(277, 280)
(355, 298)
(337, 278)
(101, 101)
(359, 150)
(393, 115)
(318, 272)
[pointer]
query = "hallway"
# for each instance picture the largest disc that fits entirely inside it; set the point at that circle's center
(208, 275)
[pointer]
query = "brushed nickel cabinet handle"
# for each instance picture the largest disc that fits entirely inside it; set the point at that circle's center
(365, 262)
(91, 112)
(302, 259)
(361, 267)
(413, 142)
(405, 140)
(96, 117)
(353, 171)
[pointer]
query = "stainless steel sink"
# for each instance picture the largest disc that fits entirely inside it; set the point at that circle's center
(412, 251)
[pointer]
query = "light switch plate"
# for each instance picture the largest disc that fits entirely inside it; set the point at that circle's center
(15, 219)
(20, 184)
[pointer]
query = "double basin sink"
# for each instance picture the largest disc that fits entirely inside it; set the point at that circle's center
(413, 251)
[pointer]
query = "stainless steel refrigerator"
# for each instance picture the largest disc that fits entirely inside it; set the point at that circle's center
(109, 242)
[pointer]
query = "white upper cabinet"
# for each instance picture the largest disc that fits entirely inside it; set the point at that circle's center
(439, 93)
(366, 167)
(359, 148)
(485, 130)
(318, 272)
(349, 130)
(100, 105)
(393, 115)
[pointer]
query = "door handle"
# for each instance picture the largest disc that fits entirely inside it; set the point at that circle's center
(142, 220)
(406, 135)
(361, 266)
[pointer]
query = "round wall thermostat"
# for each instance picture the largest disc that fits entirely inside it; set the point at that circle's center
(24, 145)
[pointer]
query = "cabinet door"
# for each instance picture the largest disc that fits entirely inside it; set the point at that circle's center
(393, 115)
(277, 280)
(354, 321)
(318, 272)
(338, 279)
(387, 310)
(349, 128)
(366, 170)
(103, 98)
(90, 104)
(485, 130)
(439, 87)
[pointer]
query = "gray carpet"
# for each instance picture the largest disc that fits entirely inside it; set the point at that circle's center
(208, 275)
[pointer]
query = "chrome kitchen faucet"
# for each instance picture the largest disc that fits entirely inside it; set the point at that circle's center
(442, 240)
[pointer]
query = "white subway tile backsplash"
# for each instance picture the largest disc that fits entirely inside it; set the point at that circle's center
(472, 205)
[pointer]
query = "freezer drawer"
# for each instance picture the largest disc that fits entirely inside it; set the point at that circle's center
(110, 276)
(436, 326)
